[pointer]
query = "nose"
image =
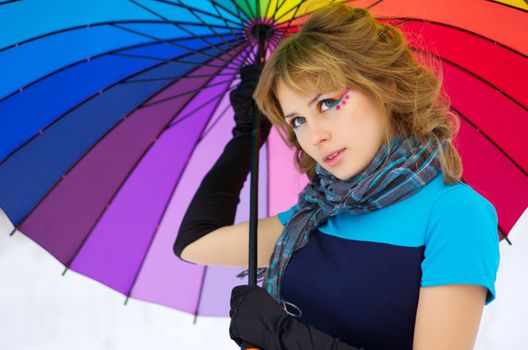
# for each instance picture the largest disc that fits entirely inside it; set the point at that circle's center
(318, 133)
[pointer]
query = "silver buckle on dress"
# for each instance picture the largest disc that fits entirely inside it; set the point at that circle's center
(285, 305)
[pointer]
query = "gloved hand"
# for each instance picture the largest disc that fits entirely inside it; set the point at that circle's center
(258, 319)
(243, 104)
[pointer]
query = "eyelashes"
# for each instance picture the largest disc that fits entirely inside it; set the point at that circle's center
(333, 103)
(343, 100)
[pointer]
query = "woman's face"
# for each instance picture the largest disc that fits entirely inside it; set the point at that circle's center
(345, 120)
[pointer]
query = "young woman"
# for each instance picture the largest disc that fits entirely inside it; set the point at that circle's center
(386, 248)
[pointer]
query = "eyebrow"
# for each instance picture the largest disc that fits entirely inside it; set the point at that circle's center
(309, 104)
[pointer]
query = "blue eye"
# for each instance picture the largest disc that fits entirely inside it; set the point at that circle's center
(332, 104)
(292, 122)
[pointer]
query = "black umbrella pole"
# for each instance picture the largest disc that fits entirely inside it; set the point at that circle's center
(253, 215)
(253, 206)
(253, 211)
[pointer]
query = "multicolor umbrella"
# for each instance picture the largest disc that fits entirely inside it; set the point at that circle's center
(111, 113)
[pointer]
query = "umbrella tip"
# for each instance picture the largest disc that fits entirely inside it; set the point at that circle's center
(505, 237)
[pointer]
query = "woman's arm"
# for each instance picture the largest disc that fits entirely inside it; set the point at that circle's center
(229, 245)
(207, 226)
(448, 316)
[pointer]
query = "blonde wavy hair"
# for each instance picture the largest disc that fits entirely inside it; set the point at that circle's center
(342, 46)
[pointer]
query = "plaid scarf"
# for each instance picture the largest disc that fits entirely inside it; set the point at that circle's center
(393, 175)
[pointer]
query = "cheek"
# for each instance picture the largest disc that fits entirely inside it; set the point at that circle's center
(306, 146)
(361, 131)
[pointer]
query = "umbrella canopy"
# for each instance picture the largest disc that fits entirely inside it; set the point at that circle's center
(111, 113)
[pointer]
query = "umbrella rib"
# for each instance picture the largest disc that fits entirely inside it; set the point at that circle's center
(374, 4)
(279, 7)
(238, 15)
(129, 293)
(252, 55)
(74, 107)
(296, 8)
(288, 25)
(121, 185)
(163, 60)
(171, 61)
(177, 25)
(275, 41)
(165, 41)
(474, 75)
(273, 44)
(214, 123)
(95, 25)
(115, 193)
(221, 17)
(249, 8)
(272, 40)
(201, 20)
(91, 58)
(267, 8)
(182, 94)
(8, 2)
(408, 19)
(242, 61)
(249, 54)
(200, 11)
(173, 189)
(192, 112)
(206, 131)
(505, 4)
(175, 78)
(505, 236)
(200, 294)
(239, 60)
(490, 140)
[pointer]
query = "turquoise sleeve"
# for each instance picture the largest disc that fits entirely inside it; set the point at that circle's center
(284, 216)
(461, 241)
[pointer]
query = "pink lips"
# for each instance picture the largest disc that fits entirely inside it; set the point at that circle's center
(336, 159)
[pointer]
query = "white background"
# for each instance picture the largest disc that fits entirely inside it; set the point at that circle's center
(41, 309)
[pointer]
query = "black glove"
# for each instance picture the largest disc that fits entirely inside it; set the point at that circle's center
(243, 104)
(216, 199)
(258, 319)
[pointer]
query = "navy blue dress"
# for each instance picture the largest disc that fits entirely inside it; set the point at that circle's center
(359, 276)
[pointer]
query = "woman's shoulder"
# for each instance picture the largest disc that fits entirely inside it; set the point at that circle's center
(462, 197)
(461, 212)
